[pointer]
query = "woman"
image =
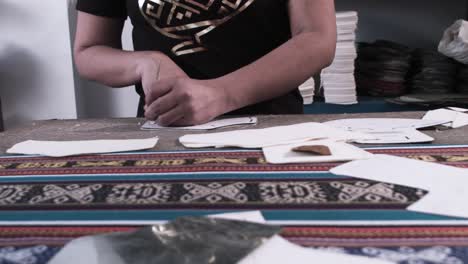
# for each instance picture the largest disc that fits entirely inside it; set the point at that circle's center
(195, 60)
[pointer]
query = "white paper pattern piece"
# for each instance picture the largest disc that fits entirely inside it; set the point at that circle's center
(248, 216)
(441, 202)
(454, 118)
(152, 125)
(341, 151)
(382, 124)
(458, 109)
(388, 130)
(279, 251)
(72, 148)
(446, 184)
(259, 138)
(403, 136)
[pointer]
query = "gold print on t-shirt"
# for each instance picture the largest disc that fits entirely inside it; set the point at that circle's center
(189, 20)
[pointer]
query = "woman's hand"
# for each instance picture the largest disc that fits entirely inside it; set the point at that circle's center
(157, 66)
(184, 101)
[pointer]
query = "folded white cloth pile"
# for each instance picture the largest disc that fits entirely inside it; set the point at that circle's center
(307, 90)
(338, 83)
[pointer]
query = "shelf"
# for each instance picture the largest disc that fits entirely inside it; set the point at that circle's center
(365, 105)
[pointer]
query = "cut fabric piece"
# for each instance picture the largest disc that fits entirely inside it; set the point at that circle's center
(220, 123)
(440, 202)
(382, 124)
(340, 151)
(259, 138)
(446, 184)
(72, 148)
(455, 119)
(458, 109)
(388, 130)
(397, 136)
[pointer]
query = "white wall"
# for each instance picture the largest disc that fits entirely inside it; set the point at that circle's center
(36, 76)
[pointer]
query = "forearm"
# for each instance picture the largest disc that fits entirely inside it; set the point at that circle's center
(114, 67)
(279, 72)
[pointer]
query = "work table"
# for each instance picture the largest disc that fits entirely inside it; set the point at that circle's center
(89, 129)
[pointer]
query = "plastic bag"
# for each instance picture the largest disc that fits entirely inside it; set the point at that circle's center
(454, 43)
(186, 240)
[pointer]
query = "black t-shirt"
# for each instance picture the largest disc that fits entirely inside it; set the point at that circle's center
(207, 38)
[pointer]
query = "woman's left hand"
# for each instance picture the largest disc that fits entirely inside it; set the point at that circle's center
(185, 102)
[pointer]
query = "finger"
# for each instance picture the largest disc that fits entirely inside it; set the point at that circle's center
(185, 121)
(155, 89)
(161, 105)
(171, 117)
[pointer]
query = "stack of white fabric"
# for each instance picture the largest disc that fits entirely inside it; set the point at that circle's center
(338, 83)
(308, 91)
